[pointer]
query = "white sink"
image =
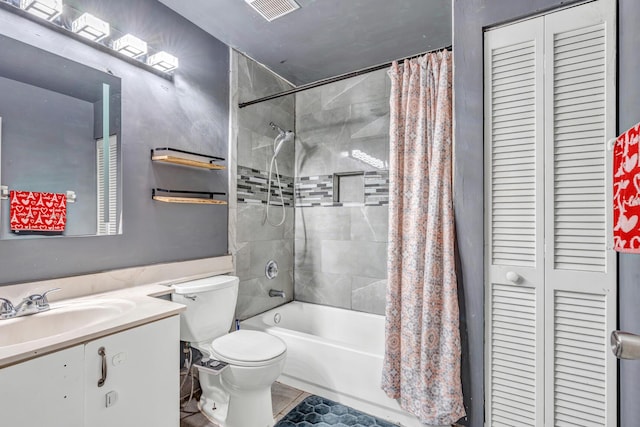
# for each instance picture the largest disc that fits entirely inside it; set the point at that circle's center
(61, 318)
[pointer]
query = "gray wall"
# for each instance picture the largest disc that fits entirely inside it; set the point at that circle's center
(191, 113)
(257, 243)
(341, 249)
(470, 16)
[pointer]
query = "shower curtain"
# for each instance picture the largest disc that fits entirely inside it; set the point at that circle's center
(422, 354)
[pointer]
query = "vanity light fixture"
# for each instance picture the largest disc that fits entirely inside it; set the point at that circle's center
(45, 9)
(130, 46)
(91, 27)
(163, 61)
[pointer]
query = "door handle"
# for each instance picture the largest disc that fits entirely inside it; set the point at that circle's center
(103, 355)
(513, 277)
(625, 345)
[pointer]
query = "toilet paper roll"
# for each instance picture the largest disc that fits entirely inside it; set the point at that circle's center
(625, 345)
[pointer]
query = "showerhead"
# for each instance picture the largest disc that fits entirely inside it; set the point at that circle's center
(276, 127)
(283, 136)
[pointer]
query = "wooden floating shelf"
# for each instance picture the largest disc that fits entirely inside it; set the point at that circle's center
(186, 158)
(194, 200)
(182, 196)
(186, 162)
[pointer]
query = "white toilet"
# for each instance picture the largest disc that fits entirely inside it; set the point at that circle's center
(240, 396)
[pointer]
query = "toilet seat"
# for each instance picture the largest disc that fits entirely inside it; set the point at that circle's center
(248, 348)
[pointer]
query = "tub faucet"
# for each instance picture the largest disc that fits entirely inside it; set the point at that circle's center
(276, 293)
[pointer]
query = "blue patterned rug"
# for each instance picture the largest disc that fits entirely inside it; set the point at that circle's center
(321, 412)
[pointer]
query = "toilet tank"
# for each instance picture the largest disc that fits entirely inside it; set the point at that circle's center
(211, 305)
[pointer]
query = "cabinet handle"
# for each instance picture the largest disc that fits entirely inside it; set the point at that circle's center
(103, 378)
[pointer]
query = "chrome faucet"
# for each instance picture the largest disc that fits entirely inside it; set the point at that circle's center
(276, 293)
(34, 303)
(7, 311)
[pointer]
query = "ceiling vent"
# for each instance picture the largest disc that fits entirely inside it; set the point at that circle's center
(273, 9)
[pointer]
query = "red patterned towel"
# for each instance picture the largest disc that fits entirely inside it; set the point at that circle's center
(34, 211)
(626, 192)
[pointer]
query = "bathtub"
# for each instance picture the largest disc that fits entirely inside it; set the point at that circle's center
(334, 353)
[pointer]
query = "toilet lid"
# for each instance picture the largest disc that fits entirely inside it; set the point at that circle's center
(248, 348)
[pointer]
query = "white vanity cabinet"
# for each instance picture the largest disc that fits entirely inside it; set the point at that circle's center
(141, 382)
(141, 386)
(46, 391)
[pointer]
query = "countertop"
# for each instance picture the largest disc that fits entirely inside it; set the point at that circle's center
(147, 308)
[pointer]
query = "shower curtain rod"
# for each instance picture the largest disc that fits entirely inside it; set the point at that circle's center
(335, 79)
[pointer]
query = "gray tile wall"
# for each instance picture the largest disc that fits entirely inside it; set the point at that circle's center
(254, 242)
(340, 248)
(341, 251)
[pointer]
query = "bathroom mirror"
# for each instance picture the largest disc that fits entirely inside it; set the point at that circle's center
(60, 134)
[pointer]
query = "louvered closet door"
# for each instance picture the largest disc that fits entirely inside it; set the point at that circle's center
(551, 275)
(513, 225)
(580, 276)
(103, 226)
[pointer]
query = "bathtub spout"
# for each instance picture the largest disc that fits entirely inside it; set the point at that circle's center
(276, 293)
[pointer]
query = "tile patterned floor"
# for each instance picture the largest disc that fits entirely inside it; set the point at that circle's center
(321, 412)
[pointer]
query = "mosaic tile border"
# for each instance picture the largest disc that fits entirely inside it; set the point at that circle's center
(314, 191)
(252, 185)
(376, 188)
(311, 191)
(308, 191)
